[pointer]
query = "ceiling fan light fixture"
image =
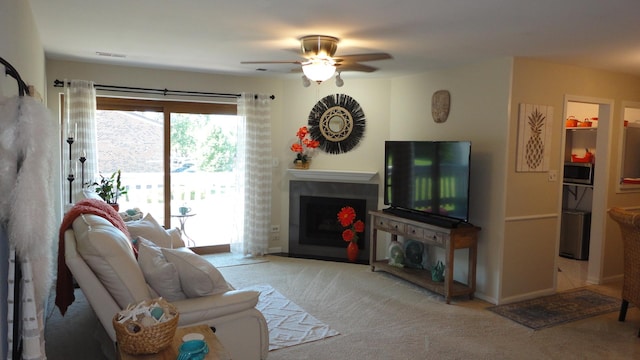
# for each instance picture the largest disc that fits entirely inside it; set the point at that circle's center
(305, 81)
(318, 45)
(319, 70)
(339, 81)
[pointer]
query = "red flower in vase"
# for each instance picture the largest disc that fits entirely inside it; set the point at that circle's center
(346, 218)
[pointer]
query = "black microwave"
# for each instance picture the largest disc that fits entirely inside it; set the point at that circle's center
(578, 173)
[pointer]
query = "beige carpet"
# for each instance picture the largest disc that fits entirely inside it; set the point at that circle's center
(381, 317)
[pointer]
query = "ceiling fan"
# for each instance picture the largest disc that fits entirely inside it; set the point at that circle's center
(321, 64)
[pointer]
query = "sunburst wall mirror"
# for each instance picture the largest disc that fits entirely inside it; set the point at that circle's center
(337, 122)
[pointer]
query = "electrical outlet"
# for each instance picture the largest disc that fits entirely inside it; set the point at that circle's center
(275, 238)
(553, 175)
(275, 228)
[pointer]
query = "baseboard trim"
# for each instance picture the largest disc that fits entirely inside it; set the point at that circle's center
(274, 250)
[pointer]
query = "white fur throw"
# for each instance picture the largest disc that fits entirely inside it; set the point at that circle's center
(27, 136)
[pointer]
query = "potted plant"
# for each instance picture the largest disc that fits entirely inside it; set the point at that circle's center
(110, 188)
(303, 148)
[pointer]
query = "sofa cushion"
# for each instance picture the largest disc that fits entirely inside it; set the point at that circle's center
(198, 277)
(151, 230)
(176, 238)
(109, 254)
(161, 275)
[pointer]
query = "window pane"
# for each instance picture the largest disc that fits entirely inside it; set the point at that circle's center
(132, 141)
(203, 158)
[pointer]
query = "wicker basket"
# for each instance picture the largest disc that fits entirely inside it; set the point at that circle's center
(150, 339)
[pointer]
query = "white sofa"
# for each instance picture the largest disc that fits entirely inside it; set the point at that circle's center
(103, 263)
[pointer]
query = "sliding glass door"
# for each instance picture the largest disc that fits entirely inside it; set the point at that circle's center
(203, 191)
(177, 162)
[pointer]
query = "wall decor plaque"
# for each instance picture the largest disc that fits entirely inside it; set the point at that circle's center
(440, 104)
(337, 122)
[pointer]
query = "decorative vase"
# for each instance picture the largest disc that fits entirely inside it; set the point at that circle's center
(352, 251)
(299, 164)
(116, 207)
(437, 273)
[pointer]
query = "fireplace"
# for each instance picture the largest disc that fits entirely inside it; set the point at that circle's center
(314, 231)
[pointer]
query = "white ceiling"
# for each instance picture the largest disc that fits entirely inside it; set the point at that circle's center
(421, 35)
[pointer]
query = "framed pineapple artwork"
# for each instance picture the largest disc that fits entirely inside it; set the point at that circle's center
(534, 137)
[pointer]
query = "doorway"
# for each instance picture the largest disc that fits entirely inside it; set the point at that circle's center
(595, 138)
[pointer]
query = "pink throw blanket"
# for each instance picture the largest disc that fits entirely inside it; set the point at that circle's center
(64, 282)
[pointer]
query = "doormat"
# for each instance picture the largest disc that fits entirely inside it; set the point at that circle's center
(561, 308)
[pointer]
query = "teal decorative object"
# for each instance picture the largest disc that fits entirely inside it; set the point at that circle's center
(437, 273)
(396, 254)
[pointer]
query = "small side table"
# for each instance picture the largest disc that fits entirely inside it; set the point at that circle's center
(216, 350)
(183, 219)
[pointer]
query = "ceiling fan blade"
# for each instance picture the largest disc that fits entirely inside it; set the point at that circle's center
(355, 67)
(363, 57)
(271, 62)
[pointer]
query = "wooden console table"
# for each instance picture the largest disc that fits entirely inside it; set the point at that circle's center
(464, 237)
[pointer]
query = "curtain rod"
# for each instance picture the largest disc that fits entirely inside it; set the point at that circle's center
(165, 92)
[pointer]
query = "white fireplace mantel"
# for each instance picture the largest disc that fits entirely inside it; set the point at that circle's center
(332, 175)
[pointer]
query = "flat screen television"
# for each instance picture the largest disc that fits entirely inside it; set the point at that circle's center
(428, 180)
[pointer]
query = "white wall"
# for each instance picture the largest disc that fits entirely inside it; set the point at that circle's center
(479, 112)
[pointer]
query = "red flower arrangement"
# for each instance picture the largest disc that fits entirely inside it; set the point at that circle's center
(346, 217)
(304, 146)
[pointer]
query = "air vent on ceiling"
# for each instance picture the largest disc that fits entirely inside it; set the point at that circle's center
(108, 54)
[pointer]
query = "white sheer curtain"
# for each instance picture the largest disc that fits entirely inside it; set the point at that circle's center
(79, 124)
(254, 175)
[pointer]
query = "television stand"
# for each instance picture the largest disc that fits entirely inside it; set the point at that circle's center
(447, 238)
(433, 219)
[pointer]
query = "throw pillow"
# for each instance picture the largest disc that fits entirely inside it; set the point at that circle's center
(149, 229)
(176, 238)
(197, 276)
(131, 214)
(91, 194)
(161, 275)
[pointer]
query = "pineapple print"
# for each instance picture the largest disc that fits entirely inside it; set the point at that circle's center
(535, 147)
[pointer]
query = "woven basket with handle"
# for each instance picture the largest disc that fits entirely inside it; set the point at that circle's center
(147, 339)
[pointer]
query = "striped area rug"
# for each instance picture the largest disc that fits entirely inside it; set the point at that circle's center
(288, 323)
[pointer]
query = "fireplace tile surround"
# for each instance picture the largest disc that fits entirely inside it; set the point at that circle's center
(328, 187)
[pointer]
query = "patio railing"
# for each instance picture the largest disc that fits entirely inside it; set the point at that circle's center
(211, 197)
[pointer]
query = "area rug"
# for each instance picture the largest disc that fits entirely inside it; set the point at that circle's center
(288, 323)
(221, 260)
(557, 309)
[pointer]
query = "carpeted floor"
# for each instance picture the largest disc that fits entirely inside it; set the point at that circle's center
(381, 317)
(558, 309)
